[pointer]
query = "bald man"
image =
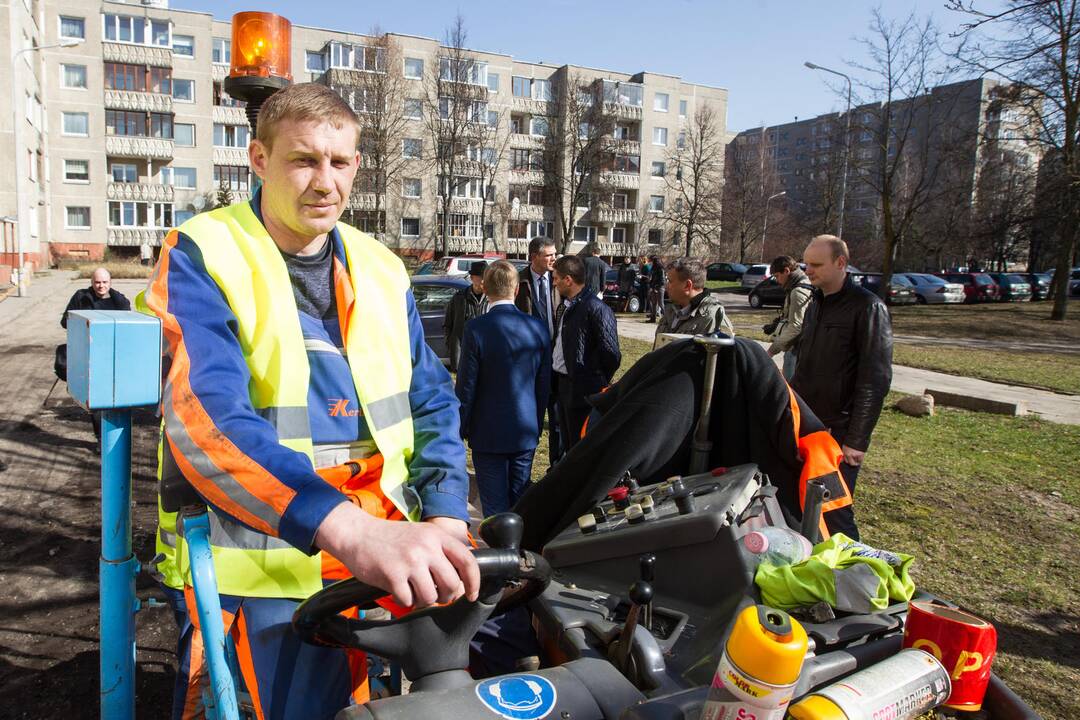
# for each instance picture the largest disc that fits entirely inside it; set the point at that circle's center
(99, 296)
(844, 366)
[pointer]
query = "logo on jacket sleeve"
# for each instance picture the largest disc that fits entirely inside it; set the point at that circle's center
(518, 697)
(339, 407)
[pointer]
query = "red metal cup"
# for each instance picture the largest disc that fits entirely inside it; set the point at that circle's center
(963, 643)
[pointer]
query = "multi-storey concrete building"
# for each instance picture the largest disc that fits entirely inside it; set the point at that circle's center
(130, 132)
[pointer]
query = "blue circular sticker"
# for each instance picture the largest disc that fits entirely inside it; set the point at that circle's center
(518, 697)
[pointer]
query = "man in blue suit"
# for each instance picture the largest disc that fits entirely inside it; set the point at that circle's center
(503, 381)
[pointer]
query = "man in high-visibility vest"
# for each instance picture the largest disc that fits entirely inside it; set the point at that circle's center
(303, 405)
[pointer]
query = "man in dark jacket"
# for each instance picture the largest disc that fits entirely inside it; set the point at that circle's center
(467, 303)
(657, 281)
(99, 296)
(844, 364)
(538, 297)
(586, 352)
(595, 270)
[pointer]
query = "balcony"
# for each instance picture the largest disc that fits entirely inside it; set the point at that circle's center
(230, 115)
(140, 147)
(615, 215)
(527, 177)
(626, 147)
(466, 246)
(134, 236)
(529, 213)
(138, 101)
(363, 201)
(469, 206)
(230, 156)
(219, 72)
(623, 112)
(520, 141)
(137, 54)
(621, 181)
(516, 246)
(533, 107)
(144, 192)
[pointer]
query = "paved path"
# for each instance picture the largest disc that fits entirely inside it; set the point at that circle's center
(1049, 405)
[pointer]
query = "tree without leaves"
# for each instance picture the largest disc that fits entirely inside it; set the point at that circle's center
(749, 180)
(1035, 46)
(694, 179)
(491, 160)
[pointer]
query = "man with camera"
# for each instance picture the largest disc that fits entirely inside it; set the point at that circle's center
(784, 331)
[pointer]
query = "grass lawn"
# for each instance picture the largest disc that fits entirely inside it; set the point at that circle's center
(1052, 371)
(722, 284)
(990, 321)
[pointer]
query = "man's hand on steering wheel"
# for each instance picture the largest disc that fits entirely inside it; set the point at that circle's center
(419, 564)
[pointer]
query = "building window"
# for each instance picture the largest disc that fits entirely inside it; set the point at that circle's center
(183, 90)
(626, 164)
(138, 124)
(221, 52)
(521, 87)
(618, 235)
(73, 76)
(234, 136)
(124, 172)
(583, 233)
(140, 214)
(160, 80)
(234, 177)
(76, 123)
(224, 99)
(180, 177)
(539, 126)
(124, 28)
(414, 109)
(541, 90)
(183, 45)
(72, 27)
(656, 203)
(414, 68)
(314, 61)
(656, 236)
(77, 218)
(411, 187)
(472, 72)
(411, 147)
(659, 169)
(493, 118)
(623, 93)
(77, 171)
(161, 32)
(410, 227)
(680, 142)
(119, 76)
(357, 57)
(659, 136)
(660, 102)
(493, 82)
(184, 134)
(682, 108)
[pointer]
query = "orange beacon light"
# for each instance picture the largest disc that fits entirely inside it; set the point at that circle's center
(261, 59)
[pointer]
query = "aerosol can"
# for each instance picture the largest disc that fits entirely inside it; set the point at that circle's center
(899, 688)
(761, 663)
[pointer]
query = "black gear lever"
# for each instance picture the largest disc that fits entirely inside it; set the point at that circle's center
(641, 594)
(647, 563)
(503, 531)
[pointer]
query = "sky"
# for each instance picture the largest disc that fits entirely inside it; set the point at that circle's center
(753, 48)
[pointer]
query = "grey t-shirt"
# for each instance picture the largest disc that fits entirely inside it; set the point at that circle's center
(312, 279)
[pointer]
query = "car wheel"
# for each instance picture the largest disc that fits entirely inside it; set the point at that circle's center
(755, 300)
(634, 305)
(920, 300)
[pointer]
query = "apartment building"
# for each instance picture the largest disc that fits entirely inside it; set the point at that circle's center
(129, 132)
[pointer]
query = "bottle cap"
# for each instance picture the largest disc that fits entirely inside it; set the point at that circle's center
(756, 542)
(767, 644)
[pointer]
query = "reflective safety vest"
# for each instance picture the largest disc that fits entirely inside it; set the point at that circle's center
(821, 456)
(247, 266)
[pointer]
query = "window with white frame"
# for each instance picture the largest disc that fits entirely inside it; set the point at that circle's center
(464, 70)
(659, 169)
(72, 27)
(462, 187)
(184, 134)
(411, 187)
(235, 136)
(314, 61)
(161, 33)
(584, 233)
(656, 203)
(76, 217)
(493, 118)
(180, 177)
(462, 225)
(412, 148)
(410, 227)
(73, 76)
(235, 177)
(682, 108)
(183, 90)
(539, 228)
(414, 68)
(221, 51)
(618, 235)
(660, 102)
(140, 214)
(137, 30)
(541, 90)
(414, 108)
(493, 82)
(75, 124)
(77, 171)
(680, 142)
(538, 125)
(357, 57)
(123, 172)
(183, 45)
(623, 93)
(659, 136)
(521, 86)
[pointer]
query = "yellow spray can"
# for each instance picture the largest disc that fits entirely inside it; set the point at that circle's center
(761, 663)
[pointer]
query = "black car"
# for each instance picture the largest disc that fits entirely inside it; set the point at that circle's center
(1014, 287)
(901, 290)
(617, 300)
(1040, 284)
(432, 294)
(766, 292)
(724, 271)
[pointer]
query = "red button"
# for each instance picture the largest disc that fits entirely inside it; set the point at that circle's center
(618, 493)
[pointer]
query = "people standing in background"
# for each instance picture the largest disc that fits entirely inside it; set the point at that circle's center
(538, 297)
(657, 280)
(467, 303)
(789, 323)
(595, 270)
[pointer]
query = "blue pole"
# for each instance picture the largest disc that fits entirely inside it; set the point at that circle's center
(221, 703)
(117, 569)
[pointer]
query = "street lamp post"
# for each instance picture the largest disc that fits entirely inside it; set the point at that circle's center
(847, 143)
(19, 224)
(765, 225)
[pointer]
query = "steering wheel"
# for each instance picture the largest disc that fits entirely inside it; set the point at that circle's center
(431, 645)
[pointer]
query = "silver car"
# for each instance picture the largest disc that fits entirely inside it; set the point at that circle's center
(753, 275)
(931, 290)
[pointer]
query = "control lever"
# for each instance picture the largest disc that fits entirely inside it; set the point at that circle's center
(647, 563)
(641, 594)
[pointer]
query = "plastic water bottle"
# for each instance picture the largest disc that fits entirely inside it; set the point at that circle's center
(777, 546)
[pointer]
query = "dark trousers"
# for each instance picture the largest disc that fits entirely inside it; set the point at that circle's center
(502, 478)
(843, 519)
(453, 347)
(573, 411)
(555, 443)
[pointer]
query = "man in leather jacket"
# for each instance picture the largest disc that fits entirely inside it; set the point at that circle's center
(845, 356)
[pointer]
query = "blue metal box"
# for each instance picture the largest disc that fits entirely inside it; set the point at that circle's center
(114, 359)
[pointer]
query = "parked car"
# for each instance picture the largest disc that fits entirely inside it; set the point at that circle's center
(978, 286)
(753, 275)
(1013, 287)
(424, 268)
(724, 271)
(901, 290)
(1074, 282)
(458, 265)
(932, 290)
(617, 300)
(766, 292)
(432, 294)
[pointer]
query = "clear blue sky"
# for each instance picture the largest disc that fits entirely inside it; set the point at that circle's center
(754, 48)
